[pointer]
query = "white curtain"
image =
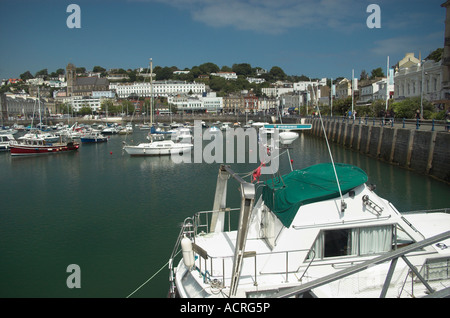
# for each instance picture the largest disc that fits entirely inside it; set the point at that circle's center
(368, 240)
(375, 239)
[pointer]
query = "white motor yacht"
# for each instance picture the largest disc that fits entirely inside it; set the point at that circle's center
(5, 141)
(304, 228)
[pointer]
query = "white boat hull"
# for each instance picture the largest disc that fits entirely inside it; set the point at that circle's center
(158, 148)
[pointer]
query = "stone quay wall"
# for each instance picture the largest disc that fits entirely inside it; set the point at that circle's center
(424, 151)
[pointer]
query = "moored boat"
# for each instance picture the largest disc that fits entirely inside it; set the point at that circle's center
(158, 148)
(110, 129)
(127, 130)
(93, 136)
(5, 141)
(30, 144)
(321, 231)
(303, 228)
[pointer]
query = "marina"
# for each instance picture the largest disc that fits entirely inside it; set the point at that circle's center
(118, 216)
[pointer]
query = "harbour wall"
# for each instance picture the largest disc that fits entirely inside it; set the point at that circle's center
(426, 152)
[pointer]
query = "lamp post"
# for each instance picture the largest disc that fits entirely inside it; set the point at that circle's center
(421, 91)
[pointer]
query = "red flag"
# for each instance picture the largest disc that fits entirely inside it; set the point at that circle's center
(256, 174)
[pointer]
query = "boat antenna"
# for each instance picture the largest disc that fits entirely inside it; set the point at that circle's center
(343, 204)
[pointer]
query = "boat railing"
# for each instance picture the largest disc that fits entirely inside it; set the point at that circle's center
(431, 267)
(443, 210)
(207, 266)
(202, 219)
(213, 269)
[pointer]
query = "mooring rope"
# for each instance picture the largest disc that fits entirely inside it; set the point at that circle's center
(151, 277)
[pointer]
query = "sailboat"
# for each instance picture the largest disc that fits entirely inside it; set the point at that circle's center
(160, 147)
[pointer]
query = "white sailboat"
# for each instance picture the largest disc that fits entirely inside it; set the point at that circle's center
(157, 148)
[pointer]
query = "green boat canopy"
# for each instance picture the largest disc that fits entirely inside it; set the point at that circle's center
(316, 183)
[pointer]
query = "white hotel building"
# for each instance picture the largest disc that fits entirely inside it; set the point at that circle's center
(210, 103)
(420, 78)
(160, 88)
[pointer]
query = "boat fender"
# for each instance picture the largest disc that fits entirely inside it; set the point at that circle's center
(188, 252)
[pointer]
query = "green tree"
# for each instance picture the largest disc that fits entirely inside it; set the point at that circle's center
(128, 107)
(41, 73)
(108, 106)
(65, 108)
(217, 83)
(377, 72)
(244, 69)
(436, 55)
(208, 68)
(85, 110)
(163, 73)
(407, 108)
(25, 76)
(342, 106)
(196, 71)
(81, 70)
(277, 73)
(363, 75)
(98, 69)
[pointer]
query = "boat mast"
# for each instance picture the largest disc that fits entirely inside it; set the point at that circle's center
(151, 92)
(39, 109)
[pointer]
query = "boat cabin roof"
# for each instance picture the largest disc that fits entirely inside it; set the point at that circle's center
(6, 137)
(285, 196)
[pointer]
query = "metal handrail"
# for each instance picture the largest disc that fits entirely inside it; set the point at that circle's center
(443, 210)
(205, 224)
(191, 225)
(205, 273)
(391, 256)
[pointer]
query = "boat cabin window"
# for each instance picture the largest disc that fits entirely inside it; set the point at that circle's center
(337, 243)
(354, 241)
(359, 241)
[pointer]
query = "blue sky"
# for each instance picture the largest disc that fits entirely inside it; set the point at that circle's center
(316, 38)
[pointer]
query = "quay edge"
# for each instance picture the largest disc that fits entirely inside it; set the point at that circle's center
(423, 151)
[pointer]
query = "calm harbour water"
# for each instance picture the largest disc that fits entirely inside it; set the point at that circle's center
(118, 217)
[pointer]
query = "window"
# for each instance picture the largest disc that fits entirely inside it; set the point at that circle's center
(337, 243)
(353, 241)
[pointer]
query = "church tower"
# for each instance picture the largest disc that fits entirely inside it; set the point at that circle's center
(71, 78)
